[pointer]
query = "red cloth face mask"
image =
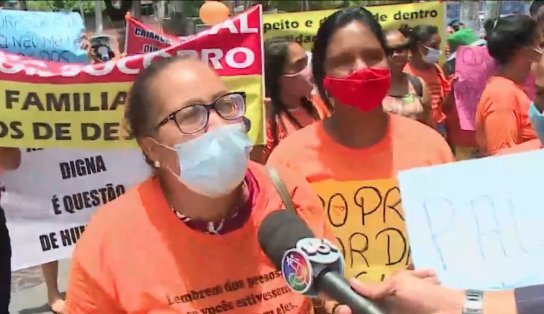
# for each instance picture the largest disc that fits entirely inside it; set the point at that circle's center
(363, 89)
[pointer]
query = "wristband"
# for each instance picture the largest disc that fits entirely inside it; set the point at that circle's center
(473, 302)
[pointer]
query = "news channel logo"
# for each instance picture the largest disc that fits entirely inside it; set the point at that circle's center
(297, 270)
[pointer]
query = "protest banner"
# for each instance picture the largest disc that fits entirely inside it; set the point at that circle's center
(367, 219)
(141, 38)
(302, 26)
(481, 226)
(46, 104)
(51, 197)
(473, 67)
(49, 36)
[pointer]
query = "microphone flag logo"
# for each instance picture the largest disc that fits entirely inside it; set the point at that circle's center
(297, 270)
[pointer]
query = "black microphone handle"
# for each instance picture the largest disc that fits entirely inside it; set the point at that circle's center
(335, 286)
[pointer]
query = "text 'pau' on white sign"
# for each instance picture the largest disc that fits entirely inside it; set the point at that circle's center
(479, 223)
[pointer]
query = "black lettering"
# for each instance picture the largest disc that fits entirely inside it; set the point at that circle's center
(44, 241)
(32, 99)
(12, 96)
(90, 131)
(392, 201)
(111, 131)
(42, 131)
(14, 127)
(62, 132)
(391, 245)
(358, 244)
(364, 198)
(339, 207)
(53, 240)
(58, 102)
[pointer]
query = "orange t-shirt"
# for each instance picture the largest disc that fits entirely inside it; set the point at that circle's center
(523, 147)
(502, 117)
(285, 126)
(136, 256)
(359, 190)
(438, 86)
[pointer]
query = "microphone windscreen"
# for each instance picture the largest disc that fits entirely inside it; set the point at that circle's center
(279, 232)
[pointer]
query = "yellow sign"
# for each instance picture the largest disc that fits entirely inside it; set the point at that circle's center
(302, 26)
(368, 221)
(89, 115)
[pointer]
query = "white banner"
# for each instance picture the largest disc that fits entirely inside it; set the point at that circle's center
(51, 197)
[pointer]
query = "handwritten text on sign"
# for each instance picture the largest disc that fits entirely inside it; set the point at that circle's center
(482, 233)
(367, 219)
(50, 36)
(473, 67)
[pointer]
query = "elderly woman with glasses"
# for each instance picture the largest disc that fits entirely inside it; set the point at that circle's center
(185, 240)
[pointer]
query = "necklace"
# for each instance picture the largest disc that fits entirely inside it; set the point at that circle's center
(215, 228)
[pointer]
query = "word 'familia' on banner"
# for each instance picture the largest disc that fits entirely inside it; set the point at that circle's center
(91, 101)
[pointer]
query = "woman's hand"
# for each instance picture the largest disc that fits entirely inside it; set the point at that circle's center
(414, 292)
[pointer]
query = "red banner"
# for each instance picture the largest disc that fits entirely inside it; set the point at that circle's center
(47, 104)
(141, 38)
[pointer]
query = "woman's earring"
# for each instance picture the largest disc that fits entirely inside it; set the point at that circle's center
(156, 164)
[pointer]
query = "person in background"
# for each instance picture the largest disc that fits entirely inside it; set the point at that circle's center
(288, 86)
(190, 229)
(502, 116)
(463, 142)
(359, 142)
(408, 95)
(455, 26)
(536, 115)
(425, 52)
(463, 37)
(10, 159)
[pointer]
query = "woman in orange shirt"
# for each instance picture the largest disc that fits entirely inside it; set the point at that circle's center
(424, 54)
(185, 240)
(502, 116)
(288, 85)
(408, 95)
(352, 158)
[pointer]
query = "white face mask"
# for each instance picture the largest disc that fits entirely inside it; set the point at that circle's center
(432, 55)
(215, 163)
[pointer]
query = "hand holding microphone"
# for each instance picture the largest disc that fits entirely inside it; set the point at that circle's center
(309, 266)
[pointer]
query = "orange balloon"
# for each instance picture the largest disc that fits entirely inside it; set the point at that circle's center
(213, 12)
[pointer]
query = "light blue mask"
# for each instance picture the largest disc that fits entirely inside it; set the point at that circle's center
(215, 163)
(537, 120)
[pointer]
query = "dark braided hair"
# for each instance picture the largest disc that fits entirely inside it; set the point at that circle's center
(276, 56)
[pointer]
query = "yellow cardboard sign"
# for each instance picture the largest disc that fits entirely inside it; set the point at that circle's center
(303, 26)
(368, 221)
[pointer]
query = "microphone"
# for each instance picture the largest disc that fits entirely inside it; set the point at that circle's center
(308, 265)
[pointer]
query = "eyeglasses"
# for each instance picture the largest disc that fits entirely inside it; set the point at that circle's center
(194, 118)
(398, 49)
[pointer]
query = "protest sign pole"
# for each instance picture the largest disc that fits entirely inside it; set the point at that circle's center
(98, 16)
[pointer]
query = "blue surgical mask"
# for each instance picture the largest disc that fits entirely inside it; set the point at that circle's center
(432, 55)
(537, 120)
(215, 163)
